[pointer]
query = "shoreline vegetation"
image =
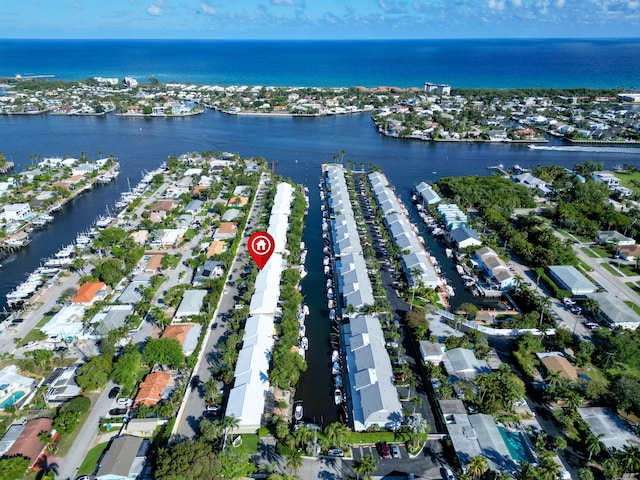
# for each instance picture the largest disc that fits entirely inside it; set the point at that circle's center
(435, 113)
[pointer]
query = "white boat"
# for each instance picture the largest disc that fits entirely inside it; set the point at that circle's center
(304, 343)
(302, 330)
(326, 260)
(103, 222)
(298, 412)
(305, 309)
(335, 356)
(338, 380)
(337, 396)
(332, 314)
(335, 368)
(448, 252)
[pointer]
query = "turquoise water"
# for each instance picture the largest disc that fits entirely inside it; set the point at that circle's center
(13, 399)
(516, 445)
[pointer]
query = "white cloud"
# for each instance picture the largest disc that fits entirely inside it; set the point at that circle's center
(154, 11)
(287, 3)
(560, 3)
(496, 4)
(207, 9)
(518, 3)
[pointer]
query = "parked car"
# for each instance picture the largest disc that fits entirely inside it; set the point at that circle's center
(448, 474)
(395, 451)
(113, 393)
(336, 452)
(213, 408)
(210, 413)
(116, 412)
(124, 401)
(384, 450)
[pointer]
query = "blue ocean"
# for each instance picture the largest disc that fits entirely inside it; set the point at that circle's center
(403, 63)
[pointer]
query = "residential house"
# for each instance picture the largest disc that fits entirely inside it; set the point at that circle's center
(629, 252)
(612, 236)
(557, 362)
(225, 231)
(124, 459)
(462, 363)
(464, 237)
(163, 206)
(61, 386)
(607, 178)
(30, 445)
(534, 183)
(83, 169)
(17, 212)
(194, 207)
(13, 386)
(113, 318)
(65, 324)
(191, 304)
(90, 293)
(495, 268)
(152, 266)
(615, 312)
(432, 352)
(215, 248)
(156, 386)
(569, 278)
(210, 269)
(186, 334)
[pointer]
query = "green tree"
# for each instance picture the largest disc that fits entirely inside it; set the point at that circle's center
(165, 351)
(127, 367)
(477, 466)
(94, 374)
(186, 461)
(336, 433)
(13, 468)
(235, 464)
(593, 444)
(365, 466)
(294, 461)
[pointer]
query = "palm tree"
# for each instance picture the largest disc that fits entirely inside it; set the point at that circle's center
(477, 466)
(593, 444)
(415, 277)
(229, 424)
(549, 469)
(336, 433)
(365, 466)
(630, 460)
(294, 461)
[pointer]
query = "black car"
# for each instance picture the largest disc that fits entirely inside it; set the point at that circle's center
(115, 412)
(114, 392)
(210, 413)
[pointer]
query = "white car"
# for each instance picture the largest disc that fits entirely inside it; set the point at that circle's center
(124, 401)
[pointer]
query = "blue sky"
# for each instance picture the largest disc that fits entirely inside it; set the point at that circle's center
(315, 19)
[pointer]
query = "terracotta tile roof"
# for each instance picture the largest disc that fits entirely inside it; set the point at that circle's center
(228, 227)
(561, 365)
(216, 247)
(199, 189)
(238, 201)
(151, 388)
(177, 332)
(28, 444)
(163, 206)
(153, 264)
(87, 292)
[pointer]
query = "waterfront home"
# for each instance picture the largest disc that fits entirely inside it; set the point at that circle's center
(464, 237)
(374, 396)
(532, 182)
(609, 428)
(61, 386)
(140, 236)
(124, 459)
(427, 194)
(17, 212)
(30, 444)
(163, 206)
(89, 293)
(83, 169)
(186, 334)
(156, 386)
(452, 215)
(607, 178)
(495, 268)
(13, 386)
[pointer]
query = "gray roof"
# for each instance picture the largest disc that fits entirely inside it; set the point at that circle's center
(206, 270)
(231, 214)
(571, 279)
(115, 318)
(615, 310)
(463, 363)
(461, 234)
(194, 206)
(123, 457)
(10, 437)
(133, 293)
(491, 442)
(191, 303)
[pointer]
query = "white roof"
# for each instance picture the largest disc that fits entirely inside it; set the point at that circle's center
(191, 303)
(265, 301)
(246, 404)
(66, 323)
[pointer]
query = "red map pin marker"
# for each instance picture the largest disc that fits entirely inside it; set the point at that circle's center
(261, 246)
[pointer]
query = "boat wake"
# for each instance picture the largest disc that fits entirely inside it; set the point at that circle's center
(630, 150)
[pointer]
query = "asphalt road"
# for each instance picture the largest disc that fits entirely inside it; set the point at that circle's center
(193, 404)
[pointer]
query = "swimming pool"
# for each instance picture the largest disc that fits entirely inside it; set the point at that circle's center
(517, 446)
(12, 400)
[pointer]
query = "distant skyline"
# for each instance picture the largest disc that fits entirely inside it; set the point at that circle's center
(319, 19)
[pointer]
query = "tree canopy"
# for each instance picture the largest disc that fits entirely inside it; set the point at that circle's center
(166, 351)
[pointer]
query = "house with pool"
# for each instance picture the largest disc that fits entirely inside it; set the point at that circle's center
(13, 386)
